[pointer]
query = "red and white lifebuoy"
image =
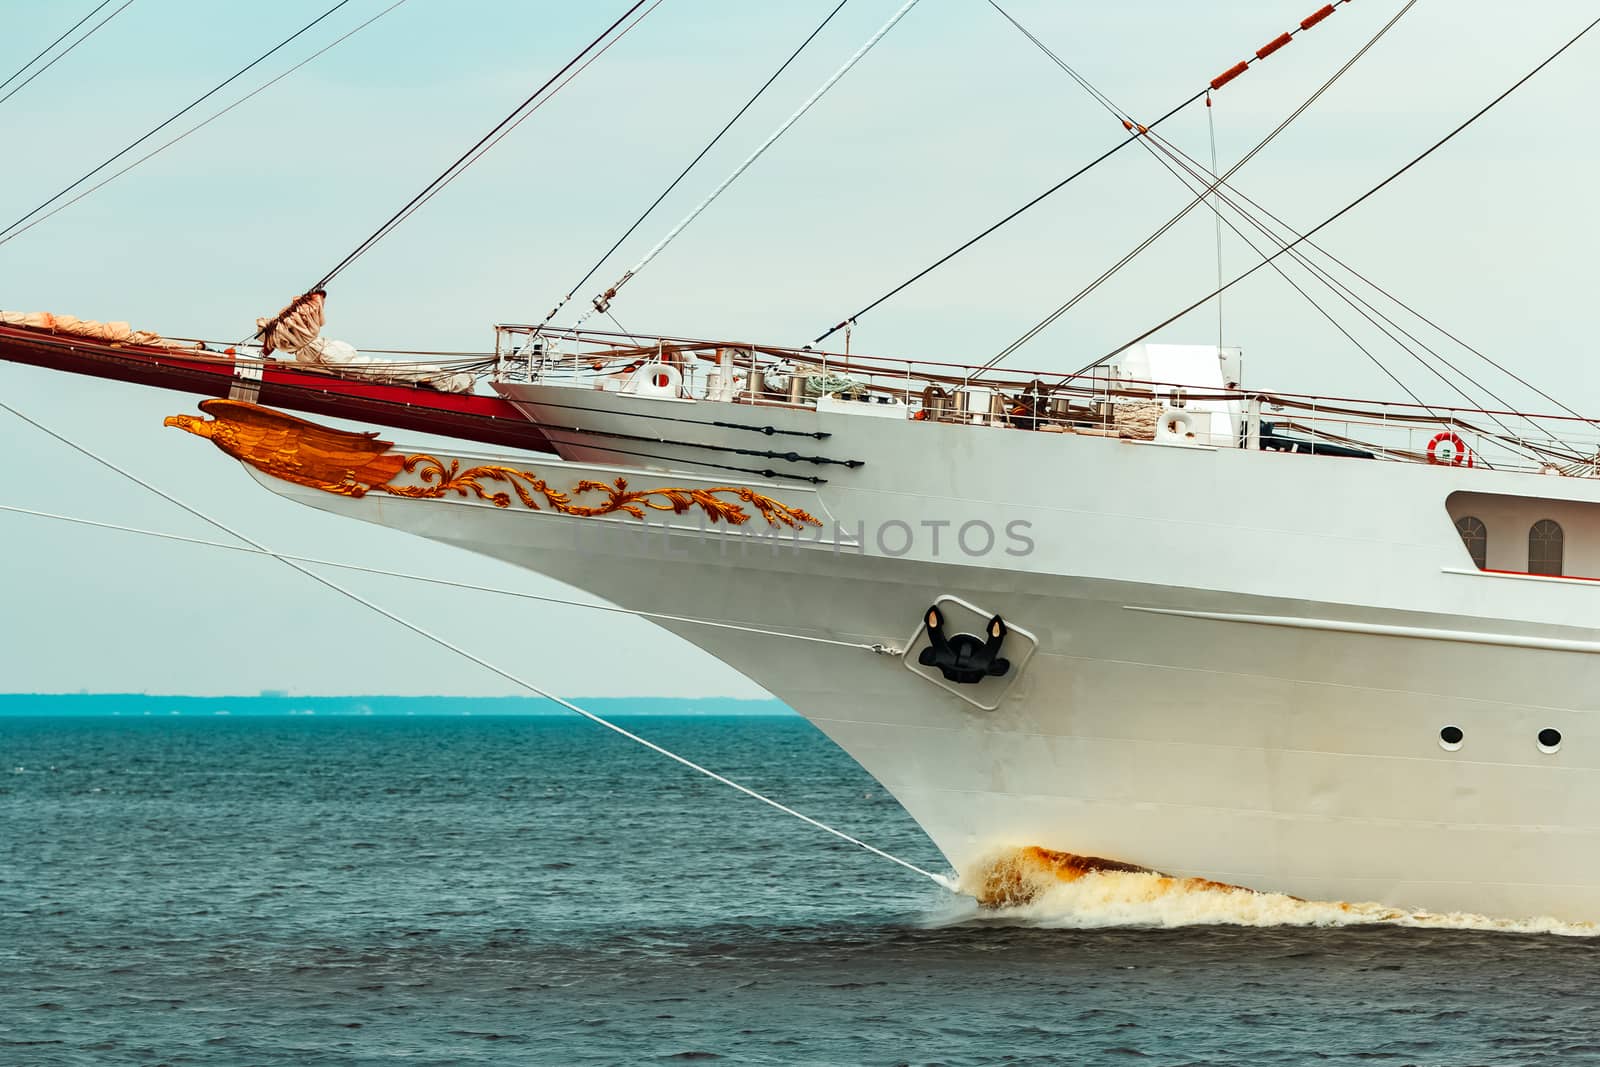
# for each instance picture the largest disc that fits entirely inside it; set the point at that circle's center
(1448, 450)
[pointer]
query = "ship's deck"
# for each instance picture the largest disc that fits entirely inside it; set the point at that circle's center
(1104, 401)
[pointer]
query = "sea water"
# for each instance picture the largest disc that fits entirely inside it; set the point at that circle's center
(473, 890)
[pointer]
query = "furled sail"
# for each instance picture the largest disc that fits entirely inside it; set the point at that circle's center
(297, 331)
(114, 332)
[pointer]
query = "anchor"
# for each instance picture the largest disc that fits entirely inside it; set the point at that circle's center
(964, 658)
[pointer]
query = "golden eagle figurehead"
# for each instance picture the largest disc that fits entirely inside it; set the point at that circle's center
(295, 449)
(195, 425)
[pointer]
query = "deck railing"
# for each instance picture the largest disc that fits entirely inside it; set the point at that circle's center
(1101, 401)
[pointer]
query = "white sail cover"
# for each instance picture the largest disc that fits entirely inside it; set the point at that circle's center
(297, 330)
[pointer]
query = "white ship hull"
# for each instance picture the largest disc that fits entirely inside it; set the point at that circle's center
(1244, 659)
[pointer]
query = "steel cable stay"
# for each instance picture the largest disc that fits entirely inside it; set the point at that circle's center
(59, 56)
(1374, 316)
(496, 137)
(1255, 205)
(1209, 193)
(1051, 318)
(954, 252)
(46, 49)
(1243, 205)
(467, 158)
(748, 104)
(1186, 169)
(163, 535)
(1326, 276)
(501, 672)
(1211, 125)
(1507, 435)
(7, 233)
(1342, 212)
(1471, 402)
(1216, 83)
(602, 302)
(263, 87)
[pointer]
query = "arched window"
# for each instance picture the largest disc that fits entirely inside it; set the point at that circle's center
(1545, 543)
(1476, 537)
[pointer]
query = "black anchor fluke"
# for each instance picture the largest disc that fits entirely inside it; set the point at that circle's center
(964, 658)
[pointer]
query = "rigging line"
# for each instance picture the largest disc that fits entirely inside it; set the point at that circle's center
(692, 164)
(503, 134)
(953, 253)
(635, 338)
(1297, 288)
(163, 535)
(1194, 171)
(602, 301)
(175, 116)
(201, 125)
(429, 635)
(1050, 319)
(1351, 299)
(1257, 206)
(46, 50)
(1211, 124)
(463, 159)
(1326, 277)
(1305, 25)
(1363, 198)
(1362, 306)
(59, 56)
(1162, 146)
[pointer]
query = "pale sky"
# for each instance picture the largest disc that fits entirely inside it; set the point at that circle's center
(950, 123)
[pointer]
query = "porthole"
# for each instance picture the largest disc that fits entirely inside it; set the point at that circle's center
(1450, 738)
(1549, 740)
